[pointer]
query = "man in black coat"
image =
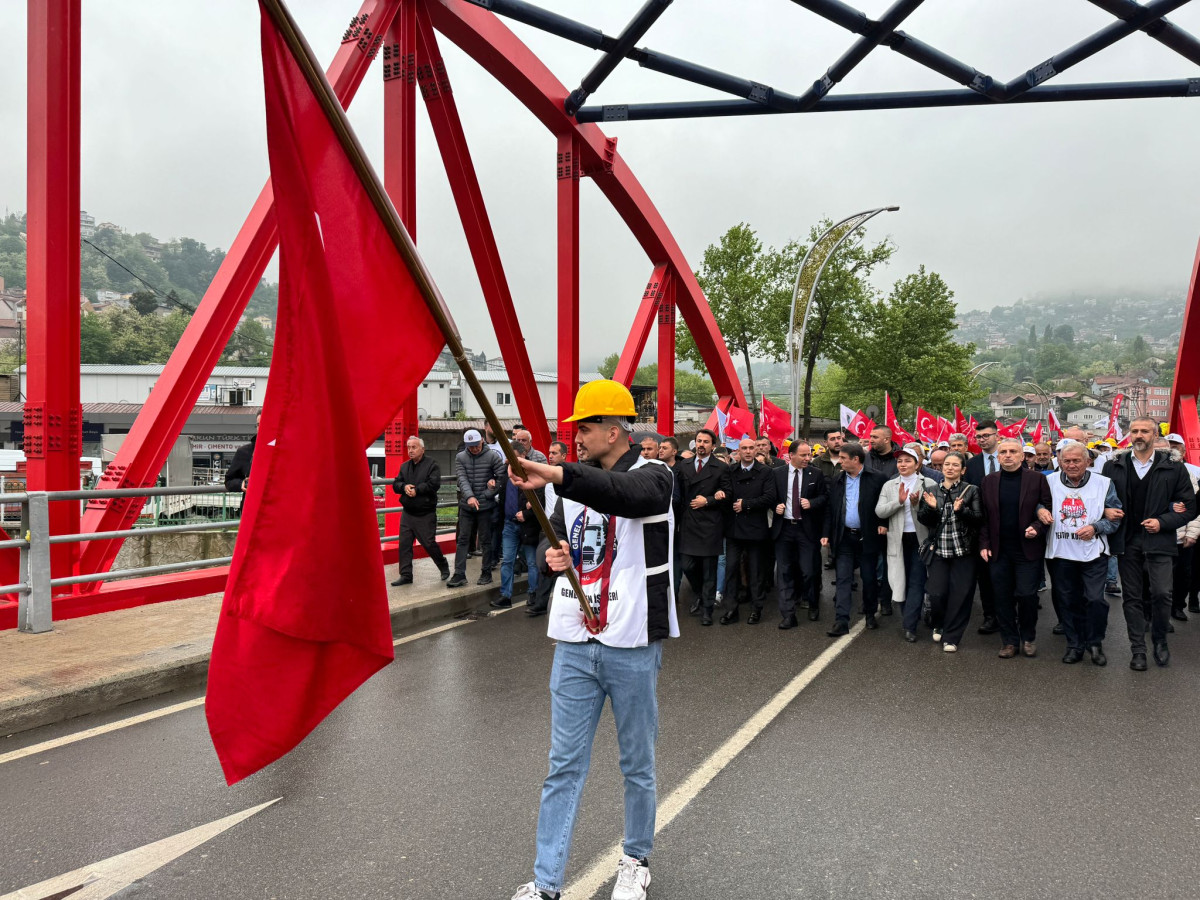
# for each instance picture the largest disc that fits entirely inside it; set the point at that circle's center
(1013, 542)
(855, 535)
(1151, 487)
(239, 470)
(979, 467)
(417, 487)
(747, 535)
(800, 496)
(704, 488)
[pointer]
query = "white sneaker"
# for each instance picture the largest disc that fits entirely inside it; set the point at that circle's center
(632, 879)
(720, 597)
(950, 648)
(937, 637)
(529, 891)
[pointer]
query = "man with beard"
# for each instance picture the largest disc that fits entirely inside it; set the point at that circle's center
(704, 484)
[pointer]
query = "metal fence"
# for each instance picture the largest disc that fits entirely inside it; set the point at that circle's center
(36, 586)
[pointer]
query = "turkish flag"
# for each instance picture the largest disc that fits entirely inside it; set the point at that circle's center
(927, 426)
(899, 435)
(739, 423)
(1014, 430)
(1055, 425)
(861, 426)
(1036, 438)
(1114, 416)
(774, 423)
(961, 424)
(305, 616)
(944, 430)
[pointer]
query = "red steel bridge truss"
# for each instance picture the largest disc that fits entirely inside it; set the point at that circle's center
(406, 35)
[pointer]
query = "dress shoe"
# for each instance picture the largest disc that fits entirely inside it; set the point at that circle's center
(814, 613)
(1058, 629)
(910, 636)
(706, 618)
(730, 617)
(1193, 606)
(1098, 657)
(402, 580)
(501, 603)
(1029, 648)
(1138, 662)
(989, 626)
(754, 618)
(840, 628)
(1072, 656)
(872, 623)
(534, 611)
(1178, 615)
(1162, 655)
(1008, 651)
(788, 622)
(885, 609)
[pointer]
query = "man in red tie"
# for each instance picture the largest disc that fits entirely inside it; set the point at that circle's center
(703, 483)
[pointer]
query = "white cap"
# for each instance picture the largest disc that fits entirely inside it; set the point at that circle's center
(1173, 438)
(910, 450)
(471, 437)
(1065, 442)
(1029, 449)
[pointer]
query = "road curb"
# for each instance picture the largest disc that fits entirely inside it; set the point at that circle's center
(190, 670)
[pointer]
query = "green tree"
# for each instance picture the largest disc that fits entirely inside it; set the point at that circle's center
(145, 302)
(906, 346)
(1032, 335)
(1065, 334)
(1053, 361)
(690, 387)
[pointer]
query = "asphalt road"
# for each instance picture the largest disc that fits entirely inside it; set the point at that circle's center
(899, 771)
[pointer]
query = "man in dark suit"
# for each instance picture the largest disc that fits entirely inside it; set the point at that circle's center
(800, 495)
(747, 534)
(854, 534)
(1013, 542)
(979, 467)
(703, 486)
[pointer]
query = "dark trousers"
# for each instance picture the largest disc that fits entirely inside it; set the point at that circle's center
(885, 586)
(1079, 587)
(677, 566)
(987, 595)
(737, 550)
(1015, 589)
(1181, 581)
(799, 561)
(701, 571)
(1145, 582)
(422, 529)
(471, 521)
(951, 585)
(914, 581)
(1194, 587)
(850, 556)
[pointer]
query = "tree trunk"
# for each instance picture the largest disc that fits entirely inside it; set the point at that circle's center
(810, 365)
(750, 376)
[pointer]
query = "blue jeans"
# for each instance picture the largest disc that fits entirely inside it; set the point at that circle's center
(721, 571)
(512, 545)
(582, 676)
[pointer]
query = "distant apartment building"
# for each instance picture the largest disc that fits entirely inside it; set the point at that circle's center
(87, 224)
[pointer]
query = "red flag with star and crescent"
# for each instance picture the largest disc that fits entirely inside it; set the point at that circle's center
(305, 617)
(927, 426)
(899, 434)
(861, 425)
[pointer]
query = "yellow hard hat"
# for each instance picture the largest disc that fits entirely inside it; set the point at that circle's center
(598, 399)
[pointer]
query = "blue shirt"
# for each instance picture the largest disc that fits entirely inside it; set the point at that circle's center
(852, 517)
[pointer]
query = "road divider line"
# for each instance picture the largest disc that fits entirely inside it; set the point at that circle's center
(68, 739)
(604, 868)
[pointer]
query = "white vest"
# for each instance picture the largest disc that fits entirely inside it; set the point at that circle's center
(1073, 508)
(633, 577)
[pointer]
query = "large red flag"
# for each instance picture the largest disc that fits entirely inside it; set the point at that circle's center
(774, 423)
(861, 425)
(1055, 425)
(961, 424)
(944, 429)
(899, 434)
(739, 423)
(1036, 438)
(927, 426)
(1114, 416)
(1014, 429)
(305, 617)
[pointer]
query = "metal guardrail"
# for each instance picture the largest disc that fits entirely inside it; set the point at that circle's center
(35, 589)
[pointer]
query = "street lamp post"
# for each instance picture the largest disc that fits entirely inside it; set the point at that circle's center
(818, 257)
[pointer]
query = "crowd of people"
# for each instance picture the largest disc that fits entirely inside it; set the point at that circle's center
(918, 531)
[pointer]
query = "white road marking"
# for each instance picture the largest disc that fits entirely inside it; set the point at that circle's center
(110, 876)
(65, 740)
(602, 870)
(98, 730)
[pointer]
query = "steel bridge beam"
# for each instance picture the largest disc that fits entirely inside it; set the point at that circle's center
(156, 428)
(643, 321)
(567, 173)
(53, 416)
(1184, 419)
(1166, 33)
(630, 35)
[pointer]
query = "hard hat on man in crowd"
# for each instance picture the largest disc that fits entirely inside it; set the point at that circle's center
(603, 398)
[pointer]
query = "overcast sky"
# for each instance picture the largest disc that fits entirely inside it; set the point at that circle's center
(1005, 203)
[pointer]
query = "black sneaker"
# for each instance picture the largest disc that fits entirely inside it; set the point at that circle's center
(485, 578)
(501, 603)
(1112, 587)
(457, 581)
(445, 574)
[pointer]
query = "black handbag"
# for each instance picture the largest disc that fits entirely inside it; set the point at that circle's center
(925, 552)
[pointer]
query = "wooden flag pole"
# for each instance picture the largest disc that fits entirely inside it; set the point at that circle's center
(315, 76)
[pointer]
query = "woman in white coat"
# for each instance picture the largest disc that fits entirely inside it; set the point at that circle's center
(898, 508)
